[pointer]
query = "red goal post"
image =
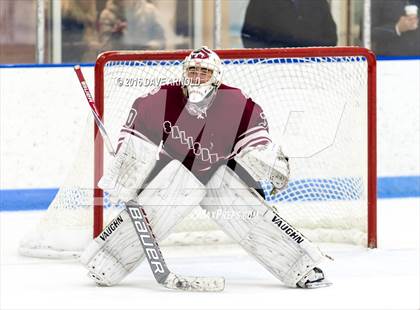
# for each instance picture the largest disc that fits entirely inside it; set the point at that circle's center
(316, 54)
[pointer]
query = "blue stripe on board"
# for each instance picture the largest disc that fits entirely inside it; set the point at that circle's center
(385, 58)
(399, 187)
(26, 199)
(5, 66)
(39, 199)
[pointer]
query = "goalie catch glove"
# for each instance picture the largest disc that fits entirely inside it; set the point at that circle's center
(129, 169)
(266, 163)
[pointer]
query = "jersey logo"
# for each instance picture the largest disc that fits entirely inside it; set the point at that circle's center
(199, 151)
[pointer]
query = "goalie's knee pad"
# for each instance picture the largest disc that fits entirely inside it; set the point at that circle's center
(276, 244)
(168, 198)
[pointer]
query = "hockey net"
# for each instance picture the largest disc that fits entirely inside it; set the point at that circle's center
(320, 107)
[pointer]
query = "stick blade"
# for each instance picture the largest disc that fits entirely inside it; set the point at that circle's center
(194, 284)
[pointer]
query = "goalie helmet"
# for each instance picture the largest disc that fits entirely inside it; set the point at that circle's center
(202, 75)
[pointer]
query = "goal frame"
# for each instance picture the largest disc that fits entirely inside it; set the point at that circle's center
(245, 54)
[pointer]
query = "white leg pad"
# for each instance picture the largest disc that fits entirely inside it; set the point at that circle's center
(114, 253)
(277, 245)
(169, 198)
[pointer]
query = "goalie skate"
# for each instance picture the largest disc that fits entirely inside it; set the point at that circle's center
(314, 279)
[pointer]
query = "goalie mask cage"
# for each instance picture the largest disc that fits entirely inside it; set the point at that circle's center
(320, 104)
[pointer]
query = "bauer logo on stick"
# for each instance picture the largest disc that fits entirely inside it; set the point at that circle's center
(147, 242)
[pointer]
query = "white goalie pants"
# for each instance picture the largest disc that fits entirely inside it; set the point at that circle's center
(263, 233)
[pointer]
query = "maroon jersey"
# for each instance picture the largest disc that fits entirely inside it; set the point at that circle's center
(233, 122)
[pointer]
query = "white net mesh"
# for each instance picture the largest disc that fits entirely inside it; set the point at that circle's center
(316, 109)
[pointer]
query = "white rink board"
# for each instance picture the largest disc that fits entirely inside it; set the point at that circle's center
(43, 110)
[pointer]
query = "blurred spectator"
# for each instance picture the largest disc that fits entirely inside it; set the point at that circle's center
(395, 28)
(288, 23)
(112, 24)
(130, 24)
(78, 30)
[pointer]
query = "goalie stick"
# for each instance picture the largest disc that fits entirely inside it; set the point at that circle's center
(143, 229)
(95, 113)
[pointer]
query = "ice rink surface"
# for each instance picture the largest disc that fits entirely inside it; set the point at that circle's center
(384, 278)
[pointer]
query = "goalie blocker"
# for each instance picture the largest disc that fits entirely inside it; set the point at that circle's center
(266, 162)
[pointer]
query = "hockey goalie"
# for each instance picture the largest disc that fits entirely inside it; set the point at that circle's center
(202, 143)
